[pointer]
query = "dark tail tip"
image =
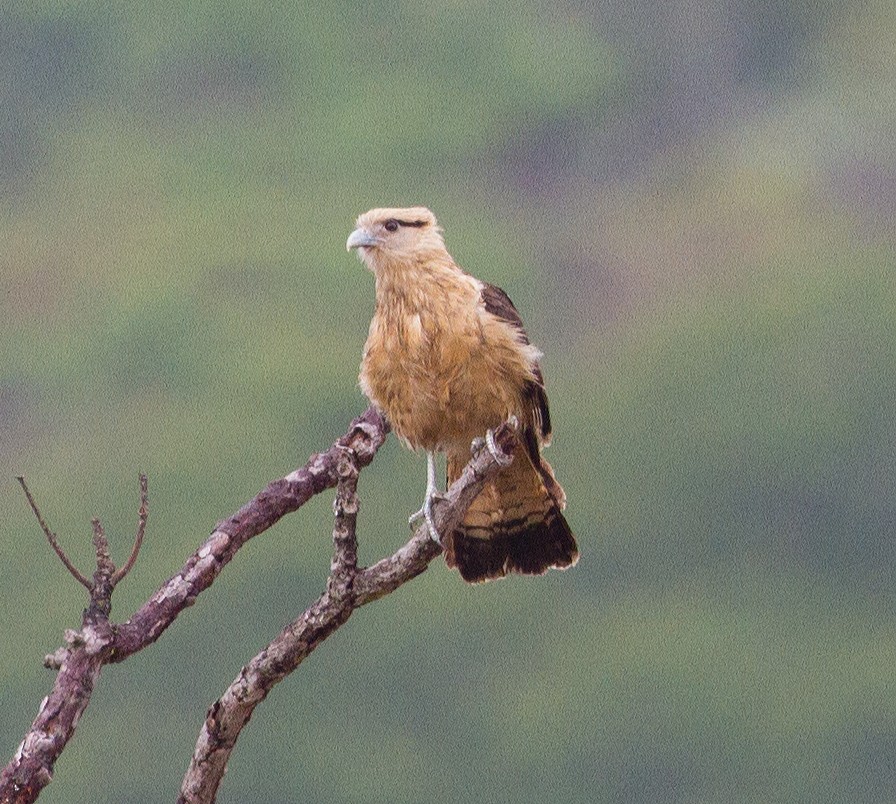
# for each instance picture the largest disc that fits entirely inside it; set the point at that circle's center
(528, 550)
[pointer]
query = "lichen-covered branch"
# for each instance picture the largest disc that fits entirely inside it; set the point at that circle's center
(365, 436)
(31, 769)
(348, 589)
(100, 642)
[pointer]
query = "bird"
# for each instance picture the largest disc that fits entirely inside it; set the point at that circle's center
(446, 361)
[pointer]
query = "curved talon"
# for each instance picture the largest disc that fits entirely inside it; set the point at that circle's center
(425, 514)
(495, 450)
(426, 511)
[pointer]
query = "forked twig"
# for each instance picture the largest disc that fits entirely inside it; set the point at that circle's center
(99, 642)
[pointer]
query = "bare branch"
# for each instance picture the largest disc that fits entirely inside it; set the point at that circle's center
(227, 717)
(142, 515)
(104, 563)
(99, 643)
(101, 589)
(365, 436)
(231, 712)
(388, 574)
(345, 543)
(31, 769)
(51, 537)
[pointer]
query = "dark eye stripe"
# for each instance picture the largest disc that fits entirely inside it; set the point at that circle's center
(393, 223)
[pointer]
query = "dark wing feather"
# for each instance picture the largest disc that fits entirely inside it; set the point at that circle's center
(498, 303)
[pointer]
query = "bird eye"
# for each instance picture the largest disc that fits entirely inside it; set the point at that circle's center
(391, 225)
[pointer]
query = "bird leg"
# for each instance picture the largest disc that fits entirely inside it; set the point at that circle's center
(425, 512)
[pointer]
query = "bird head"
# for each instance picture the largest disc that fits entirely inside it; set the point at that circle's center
(385, 236)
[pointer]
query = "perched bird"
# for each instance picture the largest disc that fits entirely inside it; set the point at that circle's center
(446, 360)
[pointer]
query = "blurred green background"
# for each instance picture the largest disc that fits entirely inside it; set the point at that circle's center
(692, 204)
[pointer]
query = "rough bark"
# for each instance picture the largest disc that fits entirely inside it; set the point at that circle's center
(101, 642)
(348, 589)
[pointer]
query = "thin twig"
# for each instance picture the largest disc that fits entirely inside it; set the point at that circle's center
(101, 589)
(365, 436)
(101, 545)
(99, 643)
(142, 515)
(51, 537)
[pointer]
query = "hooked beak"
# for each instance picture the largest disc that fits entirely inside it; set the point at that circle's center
(360, 238)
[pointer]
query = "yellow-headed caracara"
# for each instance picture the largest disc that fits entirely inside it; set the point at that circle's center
(446, 360)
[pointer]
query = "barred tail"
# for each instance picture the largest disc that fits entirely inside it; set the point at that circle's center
(515, 525)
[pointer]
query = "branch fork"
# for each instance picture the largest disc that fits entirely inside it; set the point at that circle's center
(349, 587)
(106, 577)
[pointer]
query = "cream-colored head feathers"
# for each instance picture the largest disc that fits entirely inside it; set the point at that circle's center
(395, 235)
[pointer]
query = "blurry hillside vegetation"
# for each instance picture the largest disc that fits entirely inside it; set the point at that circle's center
(692, 205)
